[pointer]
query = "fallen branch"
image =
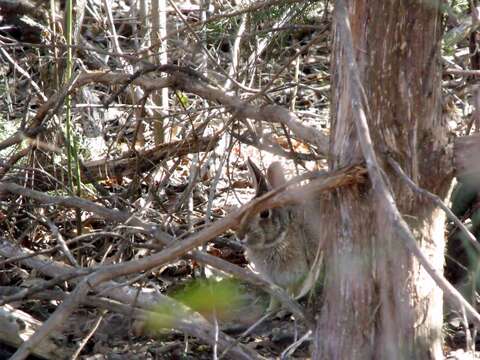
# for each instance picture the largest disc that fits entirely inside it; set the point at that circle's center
(100, 279)
(128, 164)
(462, 72)
(181, 79)
(438, 202)
(184, 320)
(17, 325)
(133, 163)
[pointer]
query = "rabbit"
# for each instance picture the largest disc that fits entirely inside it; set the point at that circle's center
(282, 243)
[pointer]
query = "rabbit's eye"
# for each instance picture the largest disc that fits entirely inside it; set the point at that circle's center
(265, 214)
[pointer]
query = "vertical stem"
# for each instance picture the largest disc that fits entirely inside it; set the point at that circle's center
(72, 143)
(68, 75)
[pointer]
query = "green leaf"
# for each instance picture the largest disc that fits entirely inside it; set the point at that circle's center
(210, 298)
(182, 98)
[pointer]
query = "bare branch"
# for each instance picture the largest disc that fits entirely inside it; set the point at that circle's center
(186, 81)
(462, 72)
(437, 201)
(185, 320)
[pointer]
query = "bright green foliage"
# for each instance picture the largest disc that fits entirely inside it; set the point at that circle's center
(212, 299)
(182, 98)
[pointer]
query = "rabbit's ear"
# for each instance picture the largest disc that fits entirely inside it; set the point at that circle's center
(276, 175)
(259, 181)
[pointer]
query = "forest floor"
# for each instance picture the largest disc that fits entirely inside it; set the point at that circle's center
(182, 192)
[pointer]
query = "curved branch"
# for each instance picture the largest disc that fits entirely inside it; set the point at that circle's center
(187, 80)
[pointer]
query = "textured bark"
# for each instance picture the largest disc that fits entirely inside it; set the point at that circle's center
(378, 302)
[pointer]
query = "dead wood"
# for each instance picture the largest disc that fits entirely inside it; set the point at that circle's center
(185, 320)
(188, 83)
(134, 163)
(129, 164)
(17, 325)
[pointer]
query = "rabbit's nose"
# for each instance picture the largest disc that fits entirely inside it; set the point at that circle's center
(243, 238)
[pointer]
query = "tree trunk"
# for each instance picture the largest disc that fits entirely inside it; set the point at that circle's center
(378, 302)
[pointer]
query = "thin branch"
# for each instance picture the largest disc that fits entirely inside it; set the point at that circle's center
(187, 80)
(189, 322)
(276, 198)
(254, 7)
(35, 86)
(69, 275)
(462, 72)
(437, 201)
(57, 247)
(206, 52)
(274, 148)
(13, 160)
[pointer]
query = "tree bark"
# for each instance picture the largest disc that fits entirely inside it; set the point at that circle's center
(378, 302)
